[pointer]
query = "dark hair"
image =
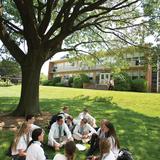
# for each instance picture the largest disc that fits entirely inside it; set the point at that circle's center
(28, 117)
(35, 134)
(70, 149)
(59, 117)
(70, 118)
(112, 132)
(65, 107)
(84, 120)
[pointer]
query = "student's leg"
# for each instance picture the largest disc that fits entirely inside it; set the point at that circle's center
(53, 145)
(94, 144)
(76, 137)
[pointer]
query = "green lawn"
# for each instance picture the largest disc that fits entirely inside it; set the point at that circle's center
(136, 116)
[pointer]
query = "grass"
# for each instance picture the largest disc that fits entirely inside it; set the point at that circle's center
(136, 116)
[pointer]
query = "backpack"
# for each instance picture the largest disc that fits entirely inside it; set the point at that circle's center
(124, 154)
(54, 119)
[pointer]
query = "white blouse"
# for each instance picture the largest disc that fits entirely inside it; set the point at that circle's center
(22, 144)
(60, 157)
(114, 148)
(109, 156)
(35, 152)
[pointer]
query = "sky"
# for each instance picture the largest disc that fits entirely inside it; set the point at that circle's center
(57, 56)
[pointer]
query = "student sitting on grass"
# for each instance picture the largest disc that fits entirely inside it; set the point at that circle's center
(70, 123)
(105, 151)
(21, 142)
(34, 150)
(70, 149)
(106, 130)
(30, 120)
(85, 114)
(64, 112)
(56, 137)
(83, 131)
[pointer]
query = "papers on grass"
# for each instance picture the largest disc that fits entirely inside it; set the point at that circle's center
(80, 147)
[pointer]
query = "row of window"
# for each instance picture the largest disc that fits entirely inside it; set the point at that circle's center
(134, 61)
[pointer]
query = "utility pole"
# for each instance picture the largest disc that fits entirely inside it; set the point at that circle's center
(158, 74)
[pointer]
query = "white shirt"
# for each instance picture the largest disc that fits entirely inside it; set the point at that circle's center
(22, 144)
(114, 148)
(60, 157)
(54, 132)
(101, 134)
(109, 156)
(111, 139)
(35, 152)
(33, 127)
(91, 120)
(87, 128)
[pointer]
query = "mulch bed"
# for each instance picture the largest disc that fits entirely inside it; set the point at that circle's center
(10, 122)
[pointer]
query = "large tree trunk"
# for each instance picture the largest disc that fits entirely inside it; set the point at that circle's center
(29, 100)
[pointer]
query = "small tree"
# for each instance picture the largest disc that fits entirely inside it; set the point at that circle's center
(122, 82)
(9, 68)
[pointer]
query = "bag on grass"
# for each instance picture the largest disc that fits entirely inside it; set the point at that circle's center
(124, 154)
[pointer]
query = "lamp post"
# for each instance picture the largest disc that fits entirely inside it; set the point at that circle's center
(158, 73)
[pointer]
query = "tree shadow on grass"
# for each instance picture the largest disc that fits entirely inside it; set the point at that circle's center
(136, 131)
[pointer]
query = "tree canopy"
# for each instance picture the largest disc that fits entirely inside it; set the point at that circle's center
(73, 24)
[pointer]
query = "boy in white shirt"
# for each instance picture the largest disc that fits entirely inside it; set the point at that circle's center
(30, 119)
(83, 131)
(56, 137)
(85, 114)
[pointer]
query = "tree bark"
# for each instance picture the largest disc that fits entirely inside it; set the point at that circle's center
(29, 100)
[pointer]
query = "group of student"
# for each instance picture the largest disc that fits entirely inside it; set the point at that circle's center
(66, 131)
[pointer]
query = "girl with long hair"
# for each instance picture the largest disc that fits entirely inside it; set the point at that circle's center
(105, 150)
(34, 150)
(70, 149)
(21, 142)
(112, 137)
(106, 130)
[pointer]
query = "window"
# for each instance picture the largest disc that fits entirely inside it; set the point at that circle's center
(102, 76)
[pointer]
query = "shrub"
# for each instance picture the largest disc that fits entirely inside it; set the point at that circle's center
(122, 82)
(51, 82)
(56, 80)
(5, 83)
(139, 85)
(46, 82)
(85, 78)
(70, 81)
(77, 82)
(42, 78)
